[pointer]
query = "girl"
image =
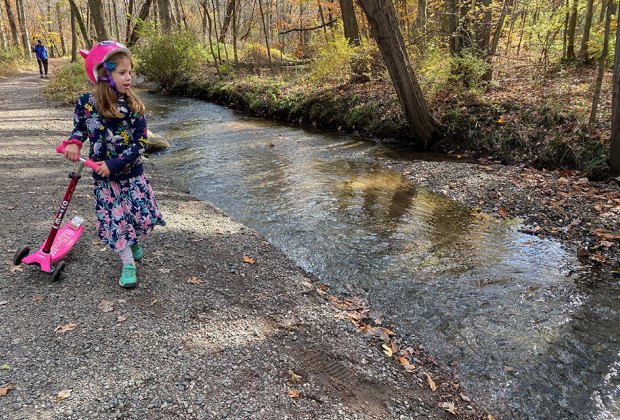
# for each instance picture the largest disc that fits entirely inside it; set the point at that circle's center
(112, 119)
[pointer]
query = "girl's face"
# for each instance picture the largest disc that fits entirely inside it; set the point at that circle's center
(122, 75)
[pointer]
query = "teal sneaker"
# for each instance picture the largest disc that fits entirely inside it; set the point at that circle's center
(136, 251)
(128, 279)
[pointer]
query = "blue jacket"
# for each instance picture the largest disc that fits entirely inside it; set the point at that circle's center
(41, 52)
(119, 142)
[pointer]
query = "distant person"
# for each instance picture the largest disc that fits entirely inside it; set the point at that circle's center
(112, 119)
(41, 53)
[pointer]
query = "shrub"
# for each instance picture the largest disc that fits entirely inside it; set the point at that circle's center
(255, 54)
(169, 59)
(333, 63)
(434, 68)
(467, 71)
(67, 83)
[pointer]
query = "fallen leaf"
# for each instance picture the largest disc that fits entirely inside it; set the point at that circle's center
(64, 394)
(295, 378)
(15, 268)
(503, 212)
(293, 393)
(38, 298)
(430, 382)
(465, 397)
(248, 260)
(490, 417)
(154, 301)
(193, 280)
(607, 244)
(64, 328)
(406, 364)
(5, 389)
(105, 306)
(121, 318)
(449, 407)
(164, 270)
(5, 366)
(387, 350)
(96, 242)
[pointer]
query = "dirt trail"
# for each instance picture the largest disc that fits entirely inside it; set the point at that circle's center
(205, 335)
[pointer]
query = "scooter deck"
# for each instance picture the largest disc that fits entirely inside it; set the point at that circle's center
(65, 239)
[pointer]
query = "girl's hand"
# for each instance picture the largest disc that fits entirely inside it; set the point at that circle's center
(103, 170)
(72, 152)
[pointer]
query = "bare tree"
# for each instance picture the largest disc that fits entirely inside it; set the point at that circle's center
(165, 17)
(583, 51)
(4, 41)
(78, 17)
(98, 19)
(614, 153)
(384, 27)
(349, 22)
(144, 13)
(21, 14)
(61, 34)
(570, 36)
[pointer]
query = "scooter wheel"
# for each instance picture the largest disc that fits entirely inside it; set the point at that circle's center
(58, 270)
(20, 254)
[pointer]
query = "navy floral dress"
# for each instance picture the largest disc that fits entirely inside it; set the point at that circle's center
(125, 204)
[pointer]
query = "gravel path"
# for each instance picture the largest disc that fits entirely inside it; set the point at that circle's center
(205, 335)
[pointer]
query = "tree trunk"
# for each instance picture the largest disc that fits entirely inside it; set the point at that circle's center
(420, 21)
(128, 17)
(614, 153)
(4, 41)
(78, 17)
(384, 27)
(135, 33)
(98, 19)
(21, 14)
(235, 30)
(601, 15)
(74, 37)
(13, 24)
(63, 45)
(349, 21)
(601, 70)
(572, 24)
(229, 12)
(262, 15)
(583, 51)
(117, 28)
(452, 23)
(164, 15)
(506, 9)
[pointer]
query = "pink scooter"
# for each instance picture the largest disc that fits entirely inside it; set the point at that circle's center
(60, 240)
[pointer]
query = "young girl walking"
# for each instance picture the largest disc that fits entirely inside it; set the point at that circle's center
(112, 119)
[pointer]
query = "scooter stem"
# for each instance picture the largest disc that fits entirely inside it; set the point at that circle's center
(75, 178)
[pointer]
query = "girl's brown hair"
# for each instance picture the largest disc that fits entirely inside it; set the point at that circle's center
(106, 97)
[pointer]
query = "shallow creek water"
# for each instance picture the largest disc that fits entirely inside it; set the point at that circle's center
(501, 308)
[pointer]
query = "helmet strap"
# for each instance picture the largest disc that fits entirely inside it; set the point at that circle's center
(109, 79)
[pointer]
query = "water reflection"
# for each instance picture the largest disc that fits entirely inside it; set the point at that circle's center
(500, 307)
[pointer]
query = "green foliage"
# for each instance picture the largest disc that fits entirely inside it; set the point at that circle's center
(169, 59)
(467, 71)
(367, 60)
(433, 69)
(333, 63)
(67, 83)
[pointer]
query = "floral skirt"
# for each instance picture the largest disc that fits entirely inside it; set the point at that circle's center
(126, 211)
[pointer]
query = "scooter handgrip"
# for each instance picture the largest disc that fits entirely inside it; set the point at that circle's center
(92, 165)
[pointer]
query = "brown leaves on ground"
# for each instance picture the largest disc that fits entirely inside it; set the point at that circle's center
(293, 393)
(449, 407)
(5, 389)
(248, 260)
(105, 306)
(63, 395)
(430, 382)
(193, 280)
(61, 329)
(295, 378)
(13, 268)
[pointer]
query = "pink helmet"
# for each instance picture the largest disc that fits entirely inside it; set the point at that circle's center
(99, 53)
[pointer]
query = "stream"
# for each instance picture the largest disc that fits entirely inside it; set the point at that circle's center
(502, 309)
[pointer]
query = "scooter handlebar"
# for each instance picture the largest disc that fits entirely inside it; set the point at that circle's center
(60, 148)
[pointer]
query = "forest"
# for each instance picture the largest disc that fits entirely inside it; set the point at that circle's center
(518, 81)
